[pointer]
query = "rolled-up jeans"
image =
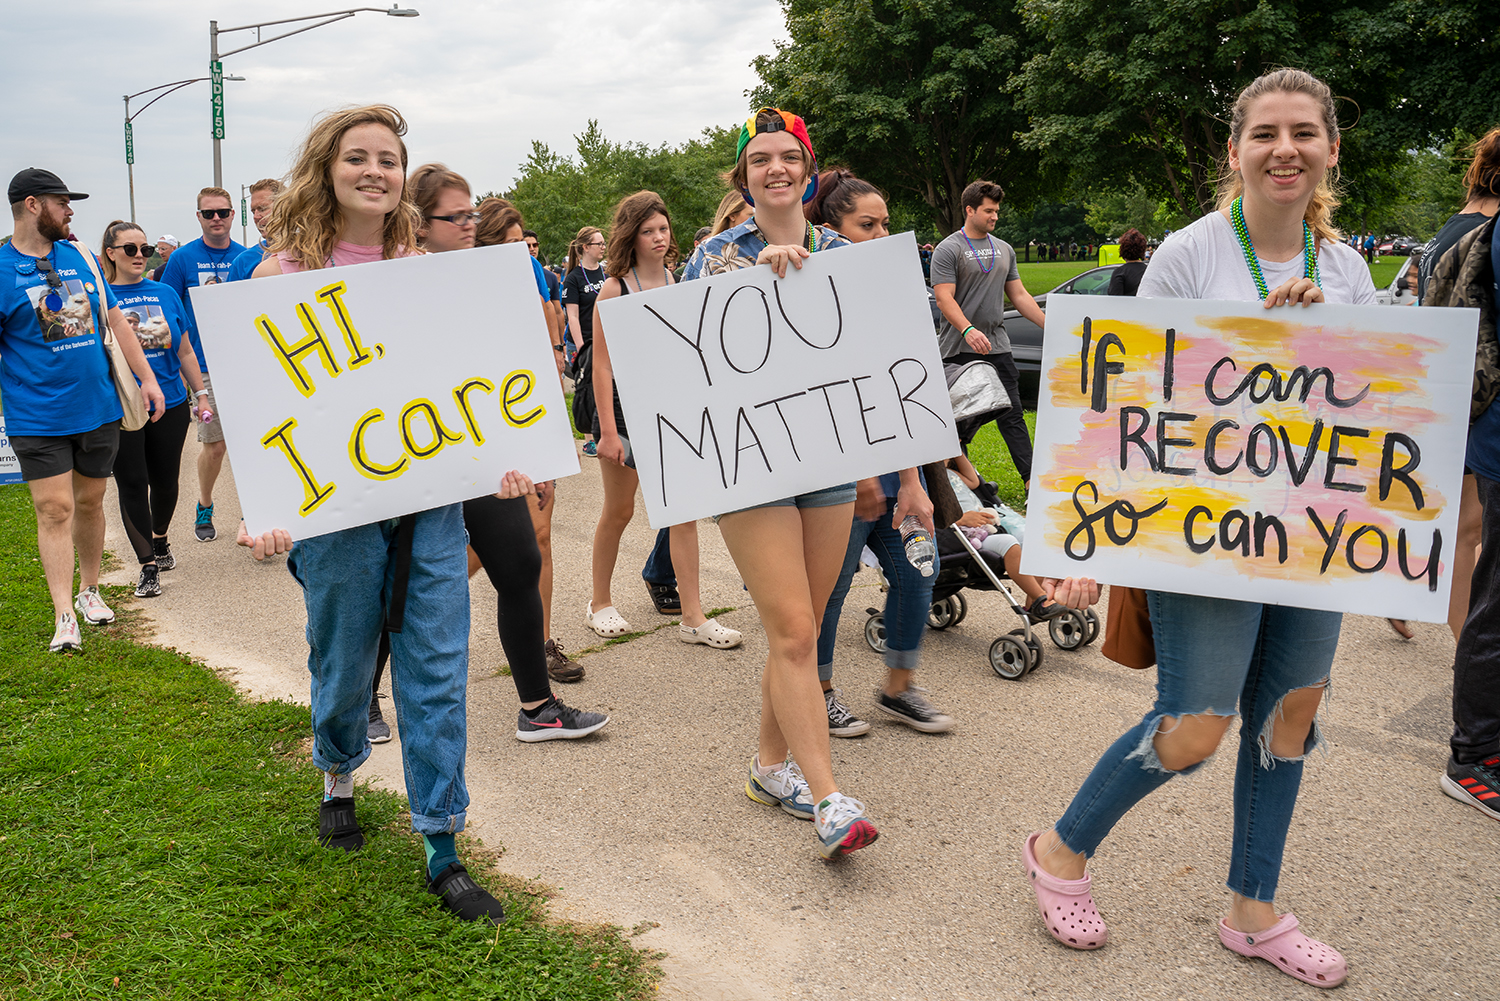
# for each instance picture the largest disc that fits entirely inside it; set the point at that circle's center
(347, 580)
(1222, 658)
(906, 603)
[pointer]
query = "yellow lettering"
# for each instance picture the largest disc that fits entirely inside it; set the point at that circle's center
(290, 355)
(440, 434)
(461, 397)
(362, 462)
(518, 386)
(332, 296)
(313, 493)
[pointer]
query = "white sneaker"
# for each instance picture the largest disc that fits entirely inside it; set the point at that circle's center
(66, 636)
(711, 633)
(785, 787)
(842, 826)
(92, 607)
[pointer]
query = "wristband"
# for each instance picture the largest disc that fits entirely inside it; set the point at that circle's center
(558, 348)
(201, 392)
(965, 331)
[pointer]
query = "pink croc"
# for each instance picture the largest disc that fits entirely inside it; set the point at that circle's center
(1067, 906)
(1290, 951)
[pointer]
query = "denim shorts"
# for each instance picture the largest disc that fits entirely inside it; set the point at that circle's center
(826, 497)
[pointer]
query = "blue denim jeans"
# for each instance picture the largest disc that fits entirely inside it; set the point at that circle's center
(658, 568)
(346, 580)
(906, 603)
(1223, 658)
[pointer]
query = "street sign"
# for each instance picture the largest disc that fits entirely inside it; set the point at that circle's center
(244, 217)
(216, 85)
(129, 144)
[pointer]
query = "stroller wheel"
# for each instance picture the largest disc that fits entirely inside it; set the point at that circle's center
(960, 607)
(1010, 658)
(942, 614)
(1070, 630)
(875, 632)
(1092, 618)
(1033, 648)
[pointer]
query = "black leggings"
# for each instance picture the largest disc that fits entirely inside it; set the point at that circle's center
(503, 537)
(146, 472)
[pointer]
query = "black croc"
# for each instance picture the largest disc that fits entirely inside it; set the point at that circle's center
(665, 598)
(337, 826)
(464, 897)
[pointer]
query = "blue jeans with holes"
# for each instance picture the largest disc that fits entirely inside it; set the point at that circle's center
(1223, 658)
(346, 580)
(906, 603)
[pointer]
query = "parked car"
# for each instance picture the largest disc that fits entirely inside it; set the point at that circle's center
(1397, 246)
(1026, 337)
(1403, 288)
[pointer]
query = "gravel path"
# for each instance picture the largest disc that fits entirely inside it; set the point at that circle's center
(646, 825)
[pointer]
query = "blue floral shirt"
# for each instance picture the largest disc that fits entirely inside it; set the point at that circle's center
(739, 247)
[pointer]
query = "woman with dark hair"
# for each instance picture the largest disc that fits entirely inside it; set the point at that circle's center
(641, 253)
(580, 288)
(1127, 276)
(1219, 660)
(150, 459)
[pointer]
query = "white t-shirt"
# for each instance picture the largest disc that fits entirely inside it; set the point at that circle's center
(1204, 261)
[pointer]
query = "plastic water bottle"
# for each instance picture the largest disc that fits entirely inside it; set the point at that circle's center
(920, 551)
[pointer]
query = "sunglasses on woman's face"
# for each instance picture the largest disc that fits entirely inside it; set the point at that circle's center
(216, 213)
(132, 250)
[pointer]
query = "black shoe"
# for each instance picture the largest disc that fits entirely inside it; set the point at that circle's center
(1477, 785)
(912, 708)
(464, 897)
(149, 585)
(378, 731)
(559, 667)
(337, 826)
(665, 598)
(1041, 609)
(162, 550)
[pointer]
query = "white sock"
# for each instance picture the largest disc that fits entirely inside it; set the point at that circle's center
(338, 786)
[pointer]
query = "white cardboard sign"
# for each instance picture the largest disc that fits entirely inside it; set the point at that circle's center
(744, 388)
(1296, 456)
(350, 395)
(10, 466)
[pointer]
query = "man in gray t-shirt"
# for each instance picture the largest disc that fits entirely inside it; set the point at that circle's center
(972, 273)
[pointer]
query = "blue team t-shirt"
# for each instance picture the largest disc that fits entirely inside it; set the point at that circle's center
(54, 376)
(541, 280)
(246, 263)
(195, 264)
(156, 315)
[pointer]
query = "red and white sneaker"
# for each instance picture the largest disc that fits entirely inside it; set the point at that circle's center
(91, 607)
(1477, 785)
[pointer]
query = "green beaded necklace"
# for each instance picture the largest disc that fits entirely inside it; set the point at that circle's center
(1309, 254)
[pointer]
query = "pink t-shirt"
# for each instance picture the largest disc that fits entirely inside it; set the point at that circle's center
(343, 253)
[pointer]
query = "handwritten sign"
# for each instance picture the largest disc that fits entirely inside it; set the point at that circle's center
(355, 394)
(745, 388)
(1309, 457)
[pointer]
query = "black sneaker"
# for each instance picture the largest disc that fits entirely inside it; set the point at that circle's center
(203, 524)
(842, 722)
(464, 897)
(557, 722)
(149, 585)
(162, 549)
(379, 731)
(559, 667)
(1042, 610)
(912, 708)
(337, 826)
(665, 598)
(1477, 785)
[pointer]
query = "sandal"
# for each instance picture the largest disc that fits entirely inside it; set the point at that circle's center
(1067, 906)
(711, 633)
(665, 598)
(606, 622)
(1402, 629)
(1290, 951)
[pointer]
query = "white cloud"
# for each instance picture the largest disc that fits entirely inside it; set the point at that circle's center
(477, 82)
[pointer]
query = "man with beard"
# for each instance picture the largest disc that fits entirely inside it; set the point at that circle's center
(61, 408)
(972, 273)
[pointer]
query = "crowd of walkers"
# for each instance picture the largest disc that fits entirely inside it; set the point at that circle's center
(392, 597)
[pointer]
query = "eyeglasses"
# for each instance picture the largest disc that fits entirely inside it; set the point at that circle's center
(598, 243)
(459, 218)
(216, 213)
(131, 250)
(54, 283)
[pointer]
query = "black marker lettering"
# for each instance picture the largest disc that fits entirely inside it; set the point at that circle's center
(1211, 447)
(723, 345)
(742, 421)
(1138, 436)
(865, 410)
(1330, 539)
(1434, 557)
(1385, 548)
(697, 345)
(1163, 442)
(705, 428)
(829, 403)
(1334, 460)
(1263, 522)
(776, 287)
(777, 404)
(1390, 471)
(905, 397)
(1298, 470)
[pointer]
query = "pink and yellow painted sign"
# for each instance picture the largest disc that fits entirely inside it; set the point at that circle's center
(1297, 456)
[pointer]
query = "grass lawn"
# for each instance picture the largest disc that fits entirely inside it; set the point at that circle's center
(159, 842)
(990, 456)
(1384, 273)
(1039, 278)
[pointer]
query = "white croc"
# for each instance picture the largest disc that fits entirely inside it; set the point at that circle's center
(606, 622)
(711, 633)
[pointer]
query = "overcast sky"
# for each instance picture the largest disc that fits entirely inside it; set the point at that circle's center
(477, 81)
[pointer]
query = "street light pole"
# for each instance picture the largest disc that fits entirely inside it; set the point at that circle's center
(216, 68)
(166, 88)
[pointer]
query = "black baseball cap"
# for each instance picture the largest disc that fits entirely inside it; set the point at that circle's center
(36, 181)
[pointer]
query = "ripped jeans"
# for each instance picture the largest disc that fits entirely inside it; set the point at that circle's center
(1223, 658)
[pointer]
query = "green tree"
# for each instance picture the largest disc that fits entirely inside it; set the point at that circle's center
(910, 95)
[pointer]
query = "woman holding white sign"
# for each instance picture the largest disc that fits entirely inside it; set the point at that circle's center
(640, 246)
(1271, 240)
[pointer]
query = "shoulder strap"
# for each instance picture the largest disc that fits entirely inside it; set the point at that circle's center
(99, 283)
